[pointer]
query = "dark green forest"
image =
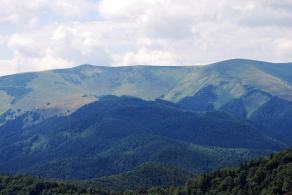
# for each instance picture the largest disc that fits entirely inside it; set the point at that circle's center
(11, 185)
(266, 175)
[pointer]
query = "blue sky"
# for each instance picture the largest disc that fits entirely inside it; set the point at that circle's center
(45, 34)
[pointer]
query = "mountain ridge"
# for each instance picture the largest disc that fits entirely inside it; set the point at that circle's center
(62, 91)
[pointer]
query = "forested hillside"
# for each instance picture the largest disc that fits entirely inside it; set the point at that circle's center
(15, 185)
(267, 175)
(117, 134)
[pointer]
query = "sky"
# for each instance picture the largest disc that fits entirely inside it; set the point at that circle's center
(47, 34)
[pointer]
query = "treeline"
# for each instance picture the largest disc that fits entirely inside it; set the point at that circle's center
(267, 176)
(144, 177)
(11, 185)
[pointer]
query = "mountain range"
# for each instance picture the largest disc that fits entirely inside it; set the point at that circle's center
(68, 89)
(106, 124)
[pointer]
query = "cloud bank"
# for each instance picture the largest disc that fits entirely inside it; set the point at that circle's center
(46, 34)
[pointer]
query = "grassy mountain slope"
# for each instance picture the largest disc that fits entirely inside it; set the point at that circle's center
(63, 91)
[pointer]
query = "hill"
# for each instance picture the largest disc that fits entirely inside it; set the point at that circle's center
(117, 134)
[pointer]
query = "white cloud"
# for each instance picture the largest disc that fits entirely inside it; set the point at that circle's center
(150, 57)
(283, 47)
(43, 34)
